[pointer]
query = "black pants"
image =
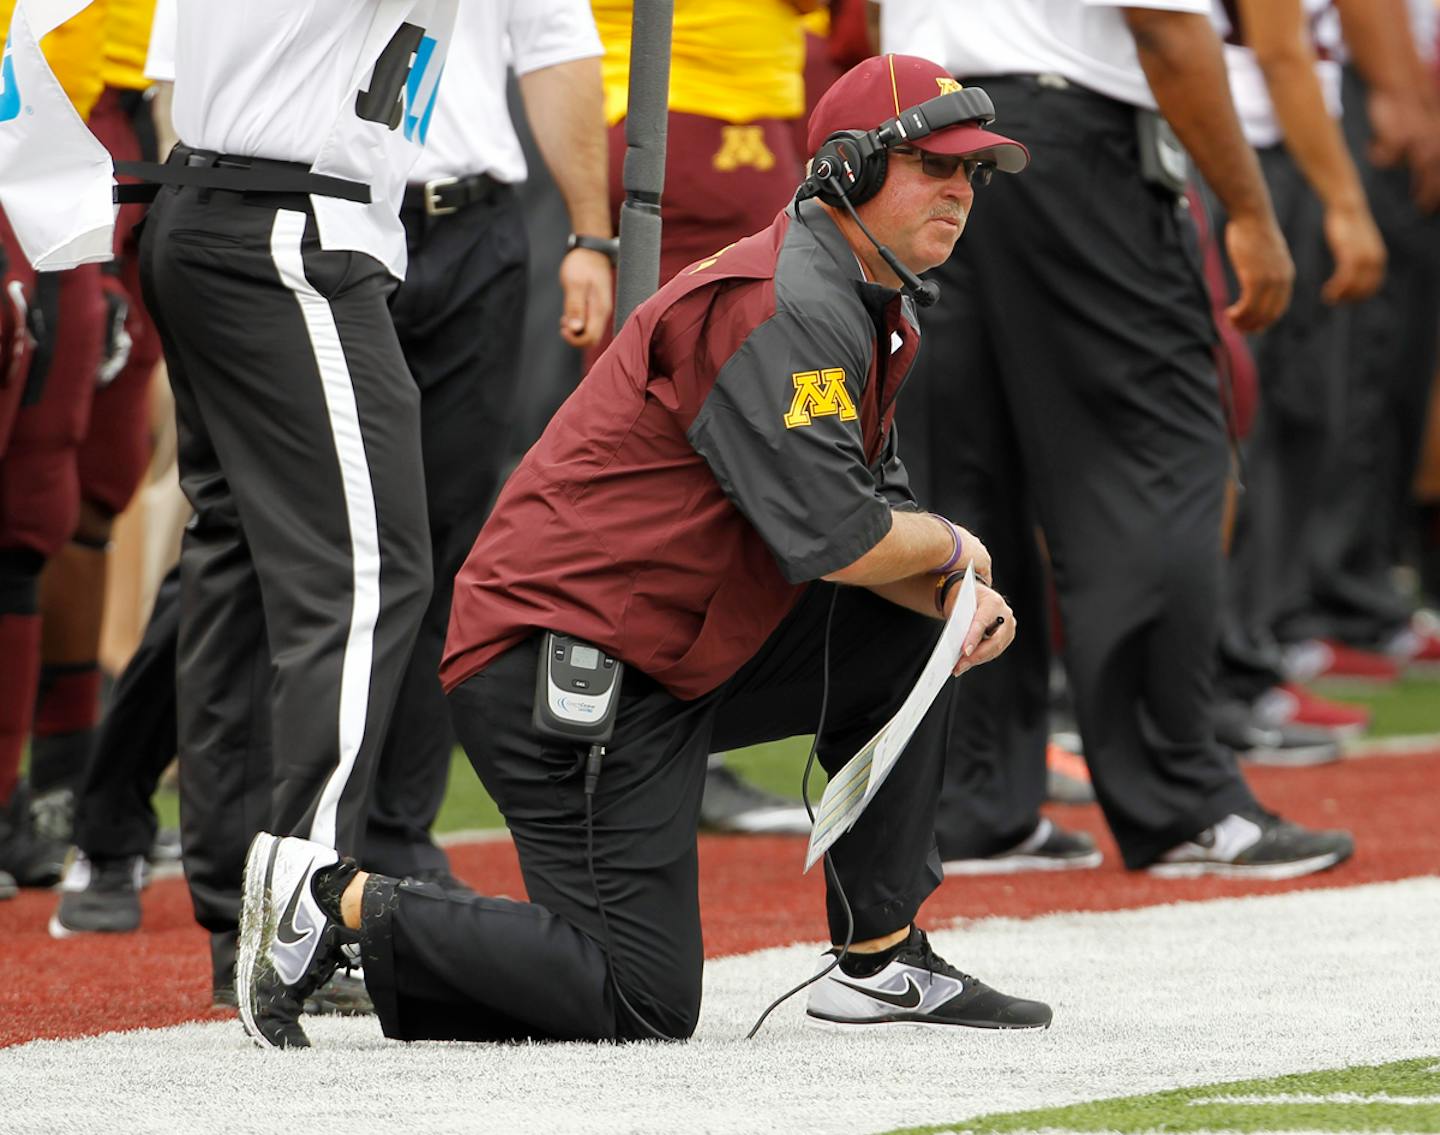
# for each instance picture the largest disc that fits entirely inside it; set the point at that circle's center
(1065, 378)
(1390, 369)
(1290, 450)
(457, 316)
(486, 968)
(136, 740)
(299, 449)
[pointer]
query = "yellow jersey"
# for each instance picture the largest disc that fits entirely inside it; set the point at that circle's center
(74, 51)
(127, 42)
(735, 60)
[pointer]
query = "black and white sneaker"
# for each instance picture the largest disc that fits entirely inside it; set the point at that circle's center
(730, 803)
(917, 989)
(1047, 848)
(100, 895)
(288, 946)
(1255, 845)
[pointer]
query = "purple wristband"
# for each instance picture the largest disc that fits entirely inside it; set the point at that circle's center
(955, 551)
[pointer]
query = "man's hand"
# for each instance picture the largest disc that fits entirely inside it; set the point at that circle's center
(1359, 254)
(974, 553)
(980, 647)
(1263, 266)
(588, 284)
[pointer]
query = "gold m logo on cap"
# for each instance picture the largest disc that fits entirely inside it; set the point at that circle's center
(947, 85)
(819, 394)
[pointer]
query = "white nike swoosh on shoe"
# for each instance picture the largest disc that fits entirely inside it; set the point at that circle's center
(297, 933)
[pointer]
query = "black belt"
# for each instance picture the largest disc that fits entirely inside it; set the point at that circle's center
(205, 169)
(446, 195)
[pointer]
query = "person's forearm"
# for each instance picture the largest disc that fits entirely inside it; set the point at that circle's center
(915, 594)
(1382, 49)
(917, 543)
(1312, 137)
(566, 110)
(1183, 61)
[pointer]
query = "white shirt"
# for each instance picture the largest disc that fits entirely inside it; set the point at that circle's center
(1247, 81)
(471, 132)
(1086, 41)
(315, 81)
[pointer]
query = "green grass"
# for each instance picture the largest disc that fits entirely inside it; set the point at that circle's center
(1350, 1099)
(1409, 707)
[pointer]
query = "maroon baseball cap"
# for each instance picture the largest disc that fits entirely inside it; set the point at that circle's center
(877, 90)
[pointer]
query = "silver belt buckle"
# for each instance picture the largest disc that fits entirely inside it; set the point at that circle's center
(432, 197)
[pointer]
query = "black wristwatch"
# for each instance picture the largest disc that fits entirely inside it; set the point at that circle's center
(609, 246)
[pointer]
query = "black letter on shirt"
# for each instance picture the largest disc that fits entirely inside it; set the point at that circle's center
(383, 102)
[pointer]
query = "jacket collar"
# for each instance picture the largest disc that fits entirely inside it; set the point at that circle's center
(826, 233)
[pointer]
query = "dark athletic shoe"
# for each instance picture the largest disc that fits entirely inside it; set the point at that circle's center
(917, 988)
(289, 947)
(344, 995)
(100, 895)
(1048, 848)
(1255, 845)
(732, 804)
(29, 856)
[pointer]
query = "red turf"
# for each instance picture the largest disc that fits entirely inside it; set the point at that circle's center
(752, 896)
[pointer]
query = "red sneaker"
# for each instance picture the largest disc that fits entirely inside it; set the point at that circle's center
(1324, 658)
(1418, 646)
(1295, 705)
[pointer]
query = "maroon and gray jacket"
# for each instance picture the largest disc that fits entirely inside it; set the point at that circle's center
(732, 444)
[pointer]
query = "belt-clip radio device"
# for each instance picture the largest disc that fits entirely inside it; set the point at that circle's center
(577, 690)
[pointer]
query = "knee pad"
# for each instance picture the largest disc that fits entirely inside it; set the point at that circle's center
(20, 581)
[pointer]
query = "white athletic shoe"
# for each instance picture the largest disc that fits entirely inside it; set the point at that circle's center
(918, 988)
(288, 946)
(1255, 845)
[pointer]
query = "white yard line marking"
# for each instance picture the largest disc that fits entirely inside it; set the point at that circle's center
(1328, 1097)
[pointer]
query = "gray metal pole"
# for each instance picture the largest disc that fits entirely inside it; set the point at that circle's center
(646, 116)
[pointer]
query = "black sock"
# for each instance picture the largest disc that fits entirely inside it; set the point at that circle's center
(868, 965)
(328, 885)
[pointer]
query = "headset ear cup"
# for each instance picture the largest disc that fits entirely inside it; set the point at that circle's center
(872, 176)
(844, 152)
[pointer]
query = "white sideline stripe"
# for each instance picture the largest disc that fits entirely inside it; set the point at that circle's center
(285, 241)
(1415, 745)
(1146, 1000)
(1327, 1097)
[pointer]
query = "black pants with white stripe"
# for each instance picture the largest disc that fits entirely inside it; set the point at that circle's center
(299, 448)
(457, 316)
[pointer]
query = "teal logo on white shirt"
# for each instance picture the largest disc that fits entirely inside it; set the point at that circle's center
(9, 92)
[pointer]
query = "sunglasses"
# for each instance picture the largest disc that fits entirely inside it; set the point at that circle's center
(945, 166)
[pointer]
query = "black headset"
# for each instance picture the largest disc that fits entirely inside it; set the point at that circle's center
(851, 165)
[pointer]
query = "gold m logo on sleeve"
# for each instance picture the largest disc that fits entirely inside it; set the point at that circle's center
(819, 394)
(743, 146)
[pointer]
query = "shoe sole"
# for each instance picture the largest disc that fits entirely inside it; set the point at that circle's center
(60, 931)
(1307, 757)
(257, 916)
(825, 1024)
(1015, 864)
(1268, 872)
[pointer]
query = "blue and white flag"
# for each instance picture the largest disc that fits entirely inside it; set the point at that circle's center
(56, 180)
